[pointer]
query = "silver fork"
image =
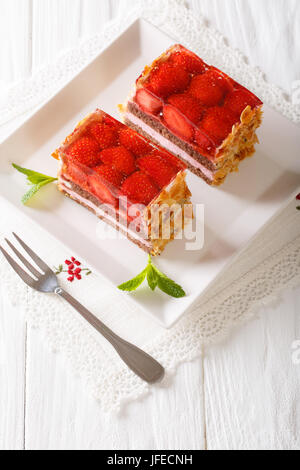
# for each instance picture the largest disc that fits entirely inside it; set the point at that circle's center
(137, 360)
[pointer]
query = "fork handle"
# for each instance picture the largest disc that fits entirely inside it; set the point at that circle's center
(137, 360)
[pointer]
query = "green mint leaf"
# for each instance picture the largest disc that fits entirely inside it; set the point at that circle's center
(298, 208)
(33, 177)
(170, 287)
(167, 285)
(134, 283)
(34, 189)
(155, 278)
(152, 278)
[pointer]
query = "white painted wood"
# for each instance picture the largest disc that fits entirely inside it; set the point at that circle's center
(56, 27)
(61, 415)
(251, 385)
(12, 375)
(15, 40)
(267, 32)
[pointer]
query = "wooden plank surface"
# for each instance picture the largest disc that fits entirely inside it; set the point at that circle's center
(250, 392)
(252, 385)
(12, 375)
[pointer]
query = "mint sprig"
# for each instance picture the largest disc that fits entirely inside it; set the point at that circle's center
(155, 279)
(35, 179)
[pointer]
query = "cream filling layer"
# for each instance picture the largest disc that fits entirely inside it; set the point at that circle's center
(65, 186)
(166, 143)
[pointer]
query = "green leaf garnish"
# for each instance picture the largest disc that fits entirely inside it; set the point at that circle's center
(155, 279)
(132, 285)
(37, 180)
(298, 208)
(152, 278)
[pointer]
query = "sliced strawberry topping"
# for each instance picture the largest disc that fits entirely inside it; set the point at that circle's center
(239, 100)
(188, 61)
(111, 122)
(105, 135)
(139, 188)
(148, 102)
(218, 123)
(166, 80)
(134, 142)
(209, 88)
(188, 105)
(178, 123)
(119, 158)
(77, 174)
(110, 175)
(206, 146)
(156, 167)
(105, 180)
(171, 159)
(85, 151)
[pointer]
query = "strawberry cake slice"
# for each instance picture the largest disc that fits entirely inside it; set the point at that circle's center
(126, 180)
(196, 112)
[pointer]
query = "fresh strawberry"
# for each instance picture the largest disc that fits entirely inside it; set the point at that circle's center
(148, 102)
(77, 174)
(209, 88)
(178, 123)
(156, 167)
(239, 100)
(111, 122)
(218, 123)
(188, 105)
(110, 175)
(85, 151)
(139, 188)
(105, 135)
(188, 61)
(166, 80)
(134, 142)
(205, 144)
(119, 158)
(170, 159)
(105, 180)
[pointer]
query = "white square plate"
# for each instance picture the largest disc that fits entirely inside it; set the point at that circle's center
(233, 213)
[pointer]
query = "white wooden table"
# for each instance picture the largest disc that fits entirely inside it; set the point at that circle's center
(244, 393)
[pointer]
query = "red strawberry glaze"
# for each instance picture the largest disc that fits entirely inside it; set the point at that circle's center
(201, 113)
(105, 134)
(140, 188)
(168, 79)
(157, 168)
(134, 142)
(129, 166)
(119, 158)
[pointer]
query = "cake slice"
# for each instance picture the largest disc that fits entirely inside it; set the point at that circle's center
(126, 180)
(196, 112)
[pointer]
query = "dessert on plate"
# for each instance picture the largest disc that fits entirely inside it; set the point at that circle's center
(126, 180)
(196, 112)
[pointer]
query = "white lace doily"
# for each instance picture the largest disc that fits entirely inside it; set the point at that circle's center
(232, 299)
